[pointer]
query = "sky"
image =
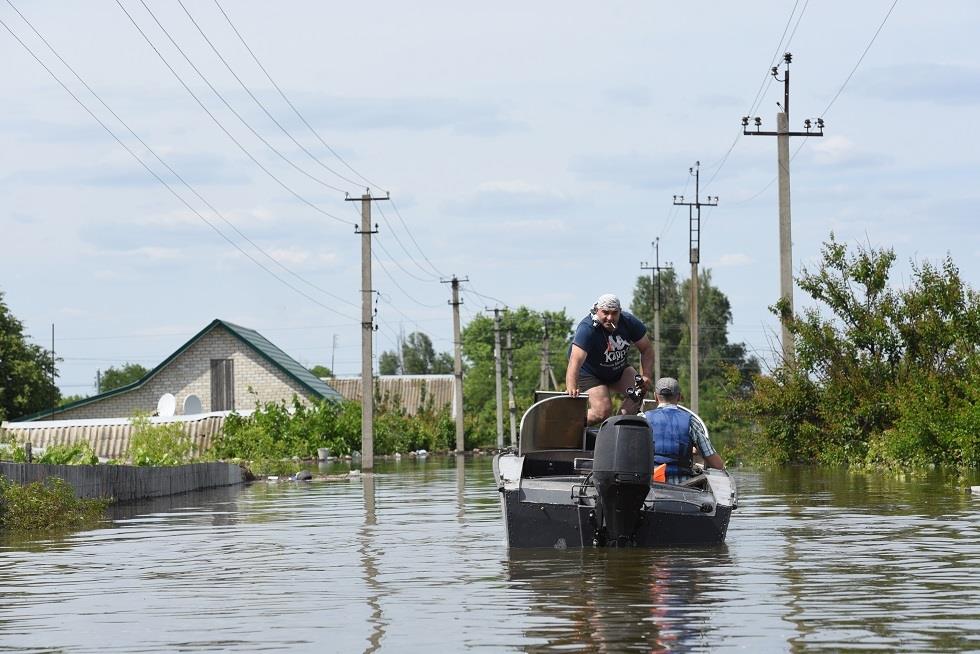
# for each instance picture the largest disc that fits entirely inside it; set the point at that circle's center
(532, 149)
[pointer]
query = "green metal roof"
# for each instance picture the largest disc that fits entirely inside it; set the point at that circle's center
(252, 338)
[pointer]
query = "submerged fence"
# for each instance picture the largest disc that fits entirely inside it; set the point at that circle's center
(128, 483)
(109, 437)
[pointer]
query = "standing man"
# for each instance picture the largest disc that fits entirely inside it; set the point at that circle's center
(597, 357)
(676, 430)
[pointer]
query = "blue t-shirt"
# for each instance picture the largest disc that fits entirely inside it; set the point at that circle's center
(605, 353)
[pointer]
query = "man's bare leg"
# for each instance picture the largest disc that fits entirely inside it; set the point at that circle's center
(600, 404)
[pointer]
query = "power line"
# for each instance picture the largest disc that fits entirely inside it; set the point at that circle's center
(402, 245)
(259, 102)
(833, 100)
(160, 179)
(225, 130)
(405, 226)
(228, 104)
(282, 94)
(165, 164)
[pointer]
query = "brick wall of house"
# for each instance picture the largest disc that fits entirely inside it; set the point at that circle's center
(190, 373)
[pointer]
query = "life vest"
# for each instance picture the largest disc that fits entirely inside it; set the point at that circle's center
(672, 438)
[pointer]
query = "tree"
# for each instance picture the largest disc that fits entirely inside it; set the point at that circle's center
(716, 354)
(418, 358)
(388, 364)
(479, 385)
(321, 371)
(26, 371)
(115, 378)
(888, 377)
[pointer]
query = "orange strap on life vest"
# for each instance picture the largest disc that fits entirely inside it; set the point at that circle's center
(660, 473)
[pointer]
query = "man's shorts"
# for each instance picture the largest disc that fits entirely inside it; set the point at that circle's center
(587, 381)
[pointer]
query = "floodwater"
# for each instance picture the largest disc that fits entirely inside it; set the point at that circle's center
(412, 559)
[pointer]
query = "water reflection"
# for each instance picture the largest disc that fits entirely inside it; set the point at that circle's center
(369, 564)
(617, 600)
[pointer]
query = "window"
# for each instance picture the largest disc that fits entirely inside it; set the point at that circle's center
(222, 385)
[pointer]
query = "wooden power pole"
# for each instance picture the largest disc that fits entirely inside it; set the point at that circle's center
(656, 302)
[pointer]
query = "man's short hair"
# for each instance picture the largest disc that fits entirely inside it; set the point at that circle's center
(667, 387)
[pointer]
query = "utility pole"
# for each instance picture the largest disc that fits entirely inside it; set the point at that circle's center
(333, 355)
(782, 135)
(511, 403)
(457, 363)
(367, 330)
(656, 301)
(546, 378)
(496, 362)
(694, 221)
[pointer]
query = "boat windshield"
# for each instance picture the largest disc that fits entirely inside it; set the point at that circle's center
(554, 423)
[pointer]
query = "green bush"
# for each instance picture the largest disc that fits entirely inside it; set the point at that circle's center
(158, 445)
(276, 431)
(80, 453)
(47, 506)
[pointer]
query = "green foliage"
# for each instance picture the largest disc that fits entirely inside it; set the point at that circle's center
(321, 371)
(388, 363)
(68, 399)
(26, 371)
(883, 377)
(418, 357)
(80, 453)
(163, 444)
(479, 388)
(48, 506)
(717, 357)
(117, 377)
(276, 432)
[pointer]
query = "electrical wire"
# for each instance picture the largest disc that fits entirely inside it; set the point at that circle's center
(217, 122)
(404, 249)
(161, 180)
(258, 102)
(766, 81)
(227, 104)
(286, 99)
(384, 269)
(833, 100)
(322, 141)
(165, 164)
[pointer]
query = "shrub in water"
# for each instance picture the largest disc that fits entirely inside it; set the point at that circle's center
(47, 506)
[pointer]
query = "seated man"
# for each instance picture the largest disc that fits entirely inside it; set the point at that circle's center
(597, 358)
(676, 430)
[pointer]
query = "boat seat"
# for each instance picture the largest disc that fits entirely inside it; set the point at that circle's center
(701, 481)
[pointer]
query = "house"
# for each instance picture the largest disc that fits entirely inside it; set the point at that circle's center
(224, 367)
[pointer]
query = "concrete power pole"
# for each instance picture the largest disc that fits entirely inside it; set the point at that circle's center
(511, 403)
(656, 301)
(496, 361)
(694, 220)
(457, 364)
(546, 378)
(782, 135)
(367, 331)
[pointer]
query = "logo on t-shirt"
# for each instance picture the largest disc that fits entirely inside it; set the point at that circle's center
(615, 350)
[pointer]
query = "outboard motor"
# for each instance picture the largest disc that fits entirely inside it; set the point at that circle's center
(621, 468)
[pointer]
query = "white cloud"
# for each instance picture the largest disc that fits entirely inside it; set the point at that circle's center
(732, 260)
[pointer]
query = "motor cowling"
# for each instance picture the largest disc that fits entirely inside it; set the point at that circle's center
(621, 467)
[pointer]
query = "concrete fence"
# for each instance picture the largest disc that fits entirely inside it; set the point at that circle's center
(128, 483)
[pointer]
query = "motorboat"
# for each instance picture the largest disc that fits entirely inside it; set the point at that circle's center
(570, 486)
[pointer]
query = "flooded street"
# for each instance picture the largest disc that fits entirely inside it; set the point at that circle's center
(411, 559)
